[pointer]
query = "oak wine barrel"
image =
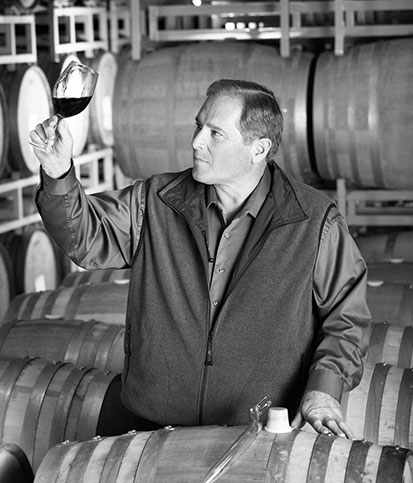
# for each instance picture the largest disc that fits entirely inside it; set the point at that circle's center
(158, 97)
(380, 408)
(392, 272)
(18, 6)
(390, 302)
(86, 343)
(362, 121)
(29, 102)
(7, 282)
(100, 110)
(35, 260)
(14, 465)
(58, 3)
(105, 302)
(185, 455)
(44, 403)
(390, 343)
(4, 131)
(96, 276)
(395, 246)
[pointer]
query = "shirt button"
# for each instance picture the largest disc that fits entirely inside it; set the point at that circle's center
(226, 235)
(215, 302)
(220, 270)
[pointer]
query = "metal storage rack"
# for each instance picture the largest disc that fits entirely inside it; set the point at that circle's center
(93, 168)
(73, 29)
(19, 39)
(282, 20)
(373, 207)
(119, 25)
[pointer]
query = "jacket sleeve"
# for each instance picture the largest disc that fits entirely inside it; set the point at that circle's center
(340, 281)
(95, 231)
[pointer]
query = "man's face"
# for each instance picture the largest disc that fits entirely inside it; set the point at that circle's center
(220, 155)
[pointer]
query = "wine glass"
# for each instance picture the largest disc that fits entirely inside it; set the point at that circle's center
(71, 94)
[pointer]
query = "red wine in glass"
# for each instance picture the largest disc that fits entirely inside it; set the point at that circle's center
(70, 106)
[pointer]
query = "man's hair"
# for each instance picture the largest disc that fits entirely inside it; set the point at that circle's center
(260, 115)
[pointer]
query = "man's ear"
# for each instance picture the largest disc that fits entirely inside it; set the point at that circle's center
(260, 149)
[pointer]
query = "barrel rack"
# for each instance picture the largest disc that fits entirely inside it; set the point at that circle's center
(18, 39)
(73, 29)
(373, 207)
(119, 25)
(17, 209)
(63, 30)
(283, 20)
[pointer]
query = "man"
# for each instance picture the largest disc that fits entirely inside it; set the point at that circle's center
(244, 282)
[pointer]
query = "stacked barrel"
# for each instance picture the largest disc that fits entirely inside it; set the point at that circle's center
(81, 324)
(345, 117)
(30, 262)
(383, 400)
(59, 373)
(61, 358)
(29, 257)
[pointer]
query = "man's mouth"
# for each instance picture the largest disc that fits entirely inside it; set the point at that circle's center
(197, 157)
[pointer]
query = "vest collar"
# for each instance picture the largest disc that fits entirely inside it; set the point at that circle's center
(284, 201)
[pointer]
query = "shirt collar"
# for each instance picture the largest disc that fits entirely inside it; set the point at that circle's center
(255, 199)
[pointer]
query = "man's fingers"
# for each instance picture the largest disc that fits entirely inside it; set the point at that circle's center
(332, 426)
(35, 137)
(320, 428)
(346, 429)
(298, 421)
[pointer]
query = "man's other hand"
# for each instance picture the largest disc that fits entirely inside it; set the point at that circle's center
(324, 414)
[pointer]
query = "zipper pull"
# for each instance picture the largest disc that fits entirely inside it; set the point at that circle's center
(208, 360)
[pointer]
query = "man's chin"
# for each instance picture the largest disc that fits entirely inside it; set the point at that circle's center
(197, 175)
(202, 175)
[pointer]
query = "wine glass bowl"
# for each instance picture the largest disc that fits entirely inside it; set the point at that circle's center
(74, 89)
(71, 94)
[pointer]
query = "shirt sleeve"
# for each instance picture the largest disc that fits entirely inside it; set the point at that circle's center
(340, 281)
(98, 230)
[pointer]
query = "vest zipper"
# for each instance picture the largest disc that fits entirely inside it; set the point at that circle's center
(208, 359)
(208, 362)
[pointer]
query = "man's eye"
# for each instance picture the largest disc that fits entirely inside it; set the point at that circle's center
(216, 134)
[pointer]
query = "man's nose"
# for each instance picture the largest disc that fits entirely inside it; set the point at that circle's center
(198, 139)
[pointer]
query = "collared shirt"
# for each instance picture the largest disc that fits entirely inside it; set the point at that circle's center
(225, 242)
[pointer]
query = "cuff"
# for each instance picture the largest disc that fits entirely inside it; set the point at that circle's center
(59, 186)
(325, 381)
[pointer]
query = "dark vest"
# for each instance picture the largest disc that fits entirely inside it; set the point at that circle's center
(178, 369)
